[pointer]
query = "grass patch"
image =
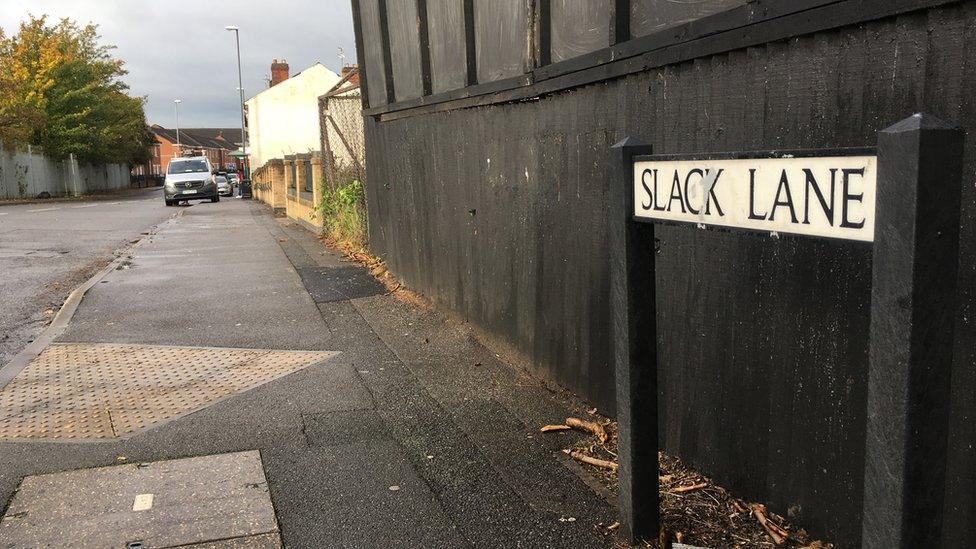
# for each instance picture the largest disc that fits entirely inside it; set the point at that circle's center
(343, 209)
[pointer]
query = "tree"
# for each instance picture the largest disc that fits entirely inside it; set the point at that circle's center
(61, 89)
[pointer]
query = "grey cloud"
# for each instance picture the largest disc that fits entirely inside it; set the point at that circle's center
(180, 48)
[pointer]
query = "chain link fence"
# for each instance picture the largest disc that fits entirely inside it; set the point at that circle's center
(344, 156)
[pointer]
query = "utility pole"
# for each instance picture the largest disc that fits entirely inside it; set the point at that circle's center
(240, 87)
(179, 149)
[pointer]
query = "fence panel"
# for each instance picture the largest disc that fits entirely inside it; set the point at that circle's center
(405, 50)
(448, 67)
(343, 145)
(579, 27)
(28, 173)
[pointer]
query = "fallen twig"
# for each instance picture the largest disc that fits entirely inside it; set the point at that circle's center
(548, 428)
(691, 488)
(591, 427)
(778, 534)
(580, 456)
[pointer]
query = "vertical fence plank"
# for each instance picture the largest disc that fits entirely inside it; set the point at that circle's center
(387, 56)
(470, 48)
(915, 262)
(632, 276)
(422, 29)
(543, 26)
(619, 21)
(357, 23)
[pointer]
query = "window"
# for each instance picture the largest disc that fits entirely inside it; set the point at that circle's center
(187, 166)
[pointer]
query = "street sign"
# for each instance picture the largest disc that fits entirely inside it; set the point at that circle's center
(827, 195)
(830, 193)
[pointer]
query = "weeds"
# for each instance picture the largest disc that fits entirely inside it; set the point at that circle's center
(343, 209)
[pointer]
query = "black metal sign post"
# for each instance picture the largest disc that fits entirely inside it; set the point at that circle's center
(906, 201)
(635, 349)
(913, 293)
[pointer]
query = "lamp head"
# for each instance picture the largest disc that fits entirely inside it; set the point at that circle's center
(231, 27)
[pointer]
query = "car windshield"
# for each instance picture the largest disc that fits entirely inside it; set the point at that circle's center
(221, 179)
(187, 166)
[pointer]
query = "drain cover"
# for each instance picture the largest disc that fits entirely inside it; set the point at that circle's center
(96, 391)
(219, 501)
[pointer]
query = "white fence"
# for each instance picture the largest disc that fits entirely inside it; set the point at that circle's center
(28, 174)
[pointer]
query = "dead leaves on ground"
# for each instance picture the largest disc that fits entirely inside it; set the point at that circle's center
(694, 510)
(377, 268)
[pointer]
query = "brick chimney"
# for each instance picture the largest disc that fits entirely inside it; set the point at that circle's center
(279, 72)
(349, 69)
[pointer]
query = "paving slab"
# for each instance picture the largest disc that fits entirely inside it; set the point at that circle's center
(337, 283)
(364, 495)
(221, 500)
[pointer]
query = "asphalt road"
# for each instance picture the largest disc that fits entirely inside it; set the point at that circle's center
(48, 248)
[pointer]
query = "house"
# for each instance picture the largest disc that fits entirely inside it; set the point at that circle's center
(214, 143)
(284, 140)
(284, 119)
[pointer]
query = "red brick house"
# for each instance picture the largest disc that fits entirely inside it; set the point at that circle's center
(214, 143)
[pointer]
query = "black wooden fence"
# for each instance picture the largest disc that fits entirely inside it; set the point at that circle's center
(501, 213)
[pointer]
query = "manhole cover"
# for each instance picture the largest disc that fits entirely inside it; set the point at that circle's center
(96, 391)
(217, 501)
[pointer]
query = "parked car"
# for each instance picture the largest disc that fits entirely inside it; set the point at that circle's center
(224, 186)
(190, 178)
(235, 180)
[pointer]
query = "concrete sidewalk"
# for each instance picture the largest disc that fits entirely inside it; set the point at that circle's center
(413, 436)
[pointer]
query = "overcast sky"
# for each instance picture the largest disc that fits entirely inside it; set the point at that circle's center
(179, 48)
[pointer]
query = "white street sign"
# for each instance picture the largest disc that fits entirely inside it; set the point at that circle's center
(827, 196)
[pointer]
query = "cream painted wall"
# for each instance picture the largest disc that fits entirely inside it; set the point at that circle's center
(284, 119)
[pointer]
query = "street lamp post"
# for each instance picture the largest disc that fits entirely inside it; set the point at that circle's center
(240, 88)
(179, 150)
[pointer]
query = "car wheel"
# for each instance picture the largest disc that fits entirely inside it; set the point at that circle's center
(169, 202)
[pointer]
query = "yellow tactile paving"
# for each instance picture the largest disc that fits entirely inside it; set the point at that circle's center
(93, 391)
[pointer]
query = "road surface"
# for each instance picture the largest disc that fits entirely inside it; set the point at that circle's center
(48, 248)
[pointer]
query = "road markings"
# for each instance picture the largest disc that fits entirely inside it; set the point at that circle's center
(44, 210)
(85, 206)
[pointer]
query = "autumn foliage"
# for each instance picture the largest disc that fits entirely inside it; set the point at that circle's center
(62, 90)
